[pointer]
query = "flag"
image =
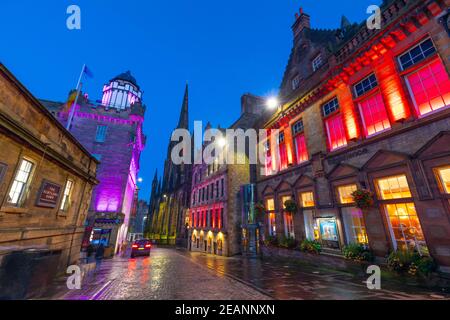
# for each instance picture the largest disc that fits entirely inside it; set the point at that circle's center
(70, 100)
(88, 72)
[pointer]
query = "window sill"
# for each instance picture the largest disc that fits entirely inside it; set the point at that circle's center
(14, 210)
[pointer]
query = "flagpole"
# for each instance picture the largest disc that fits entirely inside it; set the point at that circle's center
(72, 110)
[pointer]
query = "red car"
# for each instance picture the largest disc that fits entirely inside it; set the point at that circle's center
(141, 248)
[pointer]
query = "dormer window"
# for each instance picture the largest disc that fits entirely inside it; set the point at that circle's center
(317, 62)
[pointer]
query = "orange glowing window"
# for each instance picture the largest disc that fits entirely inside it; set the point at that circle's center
(335, 132)
(284, 199)
(307, 199)
(289, 225)
(272, 224)
(374, 115)
(430, 88)
(301, 151)
(394, 188)
(270, 205)
(444, 175)
(345, 193)
(406, 231)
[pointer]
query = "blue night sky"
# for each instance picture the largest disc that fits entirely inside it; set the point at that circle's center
(223, 48)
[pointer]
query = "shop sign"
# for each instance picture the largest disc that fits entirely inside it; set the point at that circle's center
(48, 195)
(348, 156)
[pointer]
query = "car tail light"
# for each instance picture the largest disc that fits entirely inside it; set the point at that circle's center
(134, 246)
(148, 245)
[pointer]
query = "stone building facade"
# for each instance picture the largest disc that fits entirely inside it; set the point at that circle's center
(215, 215)
(112, 130)
(365, 109)
(170, 197)
(46, 177)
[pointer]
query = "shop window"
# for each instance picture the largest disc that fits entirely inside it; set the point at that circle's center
(17, 193)
(335, 132)
(374, 115)
(270, 207)
(307, 199)
(311, 229)
(283, 151)
(65, 203)
(355, 229)
(345, 194)
(394, 188)
(430, 88)
(444, 176)
(289, 225)
(406, 231)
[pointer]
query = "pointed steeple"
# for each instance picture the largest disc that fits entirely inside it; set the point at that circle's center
(183, 123)
(345, 23)
(155, 179)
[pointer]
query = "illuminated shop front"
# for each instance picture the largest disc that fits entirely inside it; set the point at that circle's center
(398, 205)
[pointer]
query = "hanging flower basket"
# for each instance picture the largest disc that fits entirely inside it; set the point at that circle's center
(363, 199)
(290, 206)
(260, 209)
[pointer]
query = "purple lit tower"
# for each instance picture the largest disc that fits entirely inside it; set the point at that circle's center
(111, 129)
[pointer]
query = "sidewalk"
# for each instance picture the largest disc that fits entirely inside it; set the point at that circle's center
(288, 279)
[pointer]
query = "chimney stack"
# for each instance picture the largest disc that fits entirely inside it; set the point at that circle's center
(302, 21)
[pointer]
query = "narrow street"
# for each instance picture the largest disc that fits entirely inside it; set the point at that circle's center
(171, 274)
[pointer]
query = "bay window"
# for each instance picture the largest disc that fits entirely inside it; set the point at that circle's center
(18, 190)
(301, 151)
(272, 226)
(372, 109)
(334, 125)
(404, 224)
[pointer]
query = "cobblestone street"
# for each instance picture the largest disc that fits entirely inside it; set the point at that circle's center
(166, 275)
(177, 275)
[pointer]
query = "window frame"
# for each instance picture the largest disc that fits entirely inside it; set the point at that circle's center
(65, 204)
(440, 181)
(366, 96)
(408, 51)
(103, 133)
(416, 69)
(23, 197)
(316, 66)
(366, 91)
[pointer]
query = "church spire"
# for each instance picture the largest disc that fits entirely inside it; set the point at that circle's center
(183, 123)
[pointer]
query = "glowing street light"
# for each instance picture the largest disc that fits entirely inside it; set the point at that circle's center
(272, 103)
(222, 142)
(140, 180)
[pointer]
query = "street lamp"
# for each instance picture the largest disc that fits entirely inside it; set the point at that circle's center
(222, 142)
(140, 180)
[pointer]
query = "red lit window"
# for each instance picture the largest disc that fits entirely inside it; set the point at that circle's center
(430, 88)
(335, 132)
(214, 218)
(283, 151)
(268, 167)
(374, 115)
(204, 219)
(301, 151)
